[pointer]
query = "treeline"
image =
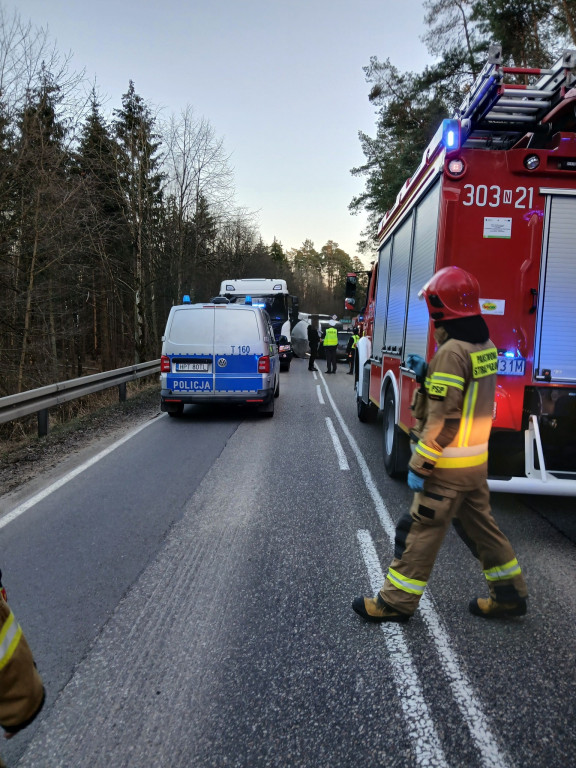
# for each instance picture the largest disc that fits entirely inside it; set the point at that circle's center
(410, 105)
(105, 222)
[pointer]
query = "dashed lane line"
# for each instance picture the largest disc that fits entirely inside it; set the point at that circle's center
(342, 460)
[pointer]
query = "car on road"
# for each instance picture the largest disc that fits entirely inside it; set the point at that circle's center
(219, 353)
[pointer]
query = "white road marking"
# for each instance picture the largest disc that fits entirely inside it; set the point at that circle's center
(33, 500)
(342, 460)
(491, 755)
(319, 393)
(426, 743)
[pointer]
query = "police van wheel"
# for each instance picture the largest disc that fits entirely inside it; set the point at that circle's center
(395, 444)
(277, 390)
(268, 409)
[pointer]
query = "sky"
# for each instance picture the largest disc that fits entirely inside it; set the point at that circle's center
(280, 81)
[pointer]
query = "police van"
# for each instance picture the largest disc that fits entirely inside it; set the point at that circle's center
(219, 353)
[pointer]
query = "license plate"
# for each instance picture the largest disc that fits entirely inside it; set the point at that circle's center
(196, 367)
(511, 366)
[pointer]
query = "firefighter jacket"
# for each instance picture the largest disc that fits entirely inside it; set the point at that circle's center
(331, 337)
(21, 689)
(452, 447)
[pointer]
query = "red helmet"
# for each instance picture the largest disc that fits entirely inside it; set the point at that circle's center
(451, 293)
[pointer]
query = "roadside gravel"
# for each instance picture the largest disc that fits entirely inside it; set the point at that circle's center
(24, 458)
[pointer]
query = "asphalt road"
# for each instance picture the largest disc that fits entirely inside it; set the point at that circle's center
(187, 597)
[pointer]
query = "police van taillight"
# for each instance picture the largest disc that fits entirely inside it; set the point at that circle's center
(264, 364)
(164, 364)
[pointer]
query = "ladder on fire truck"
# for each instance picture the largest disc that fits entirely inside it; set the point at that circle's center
(495, 114)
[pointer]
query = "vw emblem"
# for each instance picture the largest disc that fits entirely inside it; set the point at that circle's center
(222, 362)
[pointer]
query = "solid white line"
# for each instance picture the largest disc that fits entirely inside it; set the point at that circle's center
(342, 460)
(478, 725)
(462, 691)
(319, 393)
(25, 506)
(422, 731)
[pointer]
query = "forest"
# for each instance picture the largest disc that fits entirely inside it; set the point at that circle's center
(106, 221)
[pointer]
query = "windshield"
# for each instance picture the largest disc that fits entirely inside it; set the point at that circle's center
(276, 306)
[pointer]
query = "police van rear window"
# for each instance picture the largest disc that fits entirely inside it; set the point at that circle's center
(241, 325)
(191, 326)
(202, 325)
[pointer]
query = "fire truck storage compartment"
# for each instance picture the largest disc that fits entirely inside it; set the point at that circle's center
(555, 349)
(406, 263)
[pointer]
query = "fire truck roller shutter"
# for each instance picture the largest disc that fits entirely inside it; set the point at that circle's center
(423, 259)
(555, 349)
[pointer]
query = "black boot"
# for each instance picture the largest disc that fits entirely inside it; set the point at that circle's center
(375, 609)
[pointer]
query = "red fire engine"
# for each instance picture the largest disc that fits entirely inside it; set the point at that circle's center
(495, 194)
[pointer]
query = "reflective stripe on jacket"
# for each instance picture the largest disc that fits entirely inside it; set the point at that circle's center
(21, 689)
(460, 387)
(331, 337)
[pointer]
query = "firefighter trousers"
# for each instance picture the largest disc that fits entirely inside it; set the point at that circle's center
(420, 534)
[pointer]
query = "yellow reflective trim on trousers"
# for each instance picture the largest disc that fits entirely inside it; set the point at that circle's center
(9, 639)
(461, 462)
(503, 572)
(413, 586)
(467, 420)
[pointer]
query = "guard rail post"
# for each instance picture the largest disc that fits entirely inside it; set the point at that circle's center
(43, 422)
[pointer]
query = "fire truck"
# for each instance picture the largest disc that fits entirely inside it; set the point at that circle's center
(495, 193)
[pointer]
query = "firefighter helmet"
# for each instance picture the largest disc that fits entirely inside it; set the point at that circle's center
(451, 293)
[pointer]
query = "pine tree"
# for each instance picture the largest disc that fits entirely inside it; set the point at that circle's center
(139, 181)
(45, 239)
(105, 238)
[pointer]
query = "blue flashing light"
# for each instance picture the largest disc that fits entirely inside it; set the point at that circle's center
(248, 300)
(509, 354)
(451, 135)
(186, 299)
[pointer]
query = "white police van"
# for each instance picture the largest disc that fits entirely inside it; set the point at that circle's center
(219, 353)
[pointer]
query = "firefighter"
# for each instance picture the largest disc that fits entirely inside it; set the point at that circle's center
(448, 468)
(21, 688)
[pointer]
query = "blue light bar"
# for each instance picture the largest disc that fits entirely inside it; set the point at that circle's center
(451, 135)
(186, 299)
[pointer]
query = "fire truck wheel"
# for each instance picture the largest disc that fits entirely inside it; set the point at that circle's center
(395, 444)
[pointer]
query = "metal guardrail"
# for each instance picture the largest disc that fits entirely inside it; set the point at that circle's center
(41, 399)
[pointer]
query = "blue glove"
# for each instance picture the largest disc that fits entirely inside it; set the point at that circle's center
(418, 365)
(415, 482)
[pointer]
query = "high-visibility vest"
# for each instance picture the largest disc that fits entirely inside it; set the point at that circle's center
(356, 340)
(331, 337)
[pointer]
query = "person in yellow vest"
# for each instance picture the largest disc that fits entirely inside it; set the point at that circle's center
(351, 350)
(448, 469)
(21, 688)
(330, 343)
